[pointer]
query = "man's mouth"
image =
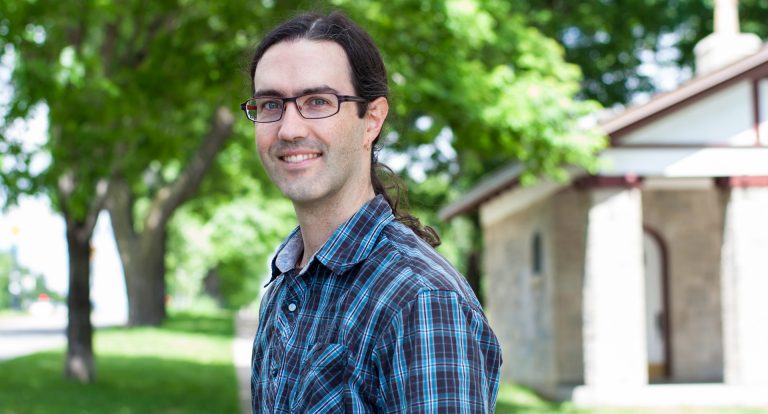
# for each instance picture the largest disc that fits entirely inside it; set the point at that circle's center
(298, 157)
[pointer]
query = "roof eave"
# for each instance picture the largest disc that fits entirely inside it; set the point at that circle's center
(697, 86)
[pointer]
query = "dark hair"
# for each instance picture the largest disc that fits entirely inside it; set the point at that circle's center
(369, 78)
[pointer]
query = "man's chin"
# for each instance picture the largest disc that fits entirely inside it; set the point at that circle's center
(303, 195)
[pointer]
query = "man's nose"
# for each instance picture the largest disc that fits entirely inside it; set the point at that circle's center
(292, 126)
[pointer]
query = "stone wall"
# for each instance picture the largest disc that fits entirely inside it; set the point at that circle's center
(539, 317)
(519, 302)
(690, 224)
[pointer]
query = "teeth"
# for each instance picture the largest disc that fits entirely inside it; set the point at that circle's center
(299, 157)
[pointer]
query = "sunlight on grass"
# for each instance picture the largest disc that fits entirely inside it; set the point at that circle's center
(515, 399)
(10, 313)
(141, 370)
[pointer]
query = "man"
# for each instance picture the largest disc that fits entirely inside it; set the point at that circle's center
(361, 314)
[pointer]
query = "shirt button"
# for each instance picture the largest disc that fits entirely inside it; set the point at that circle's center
(291, 307)
(274, 373)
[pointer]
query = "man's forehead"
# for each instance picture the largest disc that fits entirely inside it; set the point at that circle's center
(303, 66)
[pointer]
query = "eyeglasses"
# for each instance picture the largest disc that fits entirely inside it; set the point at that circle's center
(311, 106)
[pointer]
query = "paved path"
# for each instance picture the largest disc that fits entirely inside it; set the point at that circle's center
(245, 330)
(27, 334)
(36, 332)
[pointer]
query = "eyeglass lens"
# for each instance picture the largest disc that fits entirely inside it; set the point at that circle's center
(312, 106)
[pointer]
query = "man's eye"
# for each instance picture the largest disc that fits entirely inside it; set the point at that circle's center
(270, 105)
(318, 101)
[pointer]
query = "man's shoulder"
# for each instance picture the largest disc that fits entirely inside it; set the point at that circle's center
(405, 266)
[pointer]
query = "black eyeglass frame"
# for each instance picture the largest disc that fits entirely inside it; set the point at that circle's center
(340, 98)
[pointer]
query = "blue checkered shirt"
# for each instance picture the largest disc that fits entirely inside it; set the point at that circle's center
(376, 322)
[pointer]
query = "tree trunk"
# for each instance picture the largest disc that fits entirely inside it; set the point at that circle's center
(142, 256)
(145, 281)
(473, 274)
(474, 269)
(79, 360)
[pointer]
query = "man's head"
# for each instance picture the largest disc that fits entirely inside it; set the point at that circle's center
(334, 40)
(314, 158)
(368, 73)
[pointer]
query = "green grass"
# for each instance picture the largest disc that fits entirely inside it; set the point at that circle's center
(183, 367)
(519, 400)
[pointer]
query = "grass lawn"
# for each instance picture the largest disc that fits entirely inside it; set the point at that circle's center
(518, 400)
(183, 367)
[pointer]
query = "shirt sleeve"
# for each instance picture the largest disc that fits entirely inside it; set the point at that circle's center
(438, 355)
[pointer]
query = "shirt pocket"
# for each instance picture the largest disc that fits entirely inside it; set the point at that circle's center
(322, 380)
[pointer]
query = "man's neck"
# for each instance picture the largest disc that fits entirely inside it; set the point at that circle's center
(318, 221)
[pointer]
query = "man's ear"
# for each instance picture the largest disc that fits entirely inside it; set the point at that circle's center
(374, 119)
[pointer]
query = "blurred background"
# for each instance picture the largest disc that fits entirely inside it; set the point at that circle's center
(133, 198)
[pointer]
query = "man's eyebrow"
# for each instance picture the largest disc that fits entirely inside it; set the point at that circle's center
(305, 91)
(266, 92)
(319, 89)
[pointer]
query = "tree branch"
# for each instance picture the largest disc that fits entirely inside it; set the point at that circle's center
(173, 195)
(160, 23)
(65, 187)
(97, 204)
(108, 47)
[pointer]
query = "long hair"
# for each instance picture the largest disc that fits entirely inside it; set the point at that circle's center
(369, 79)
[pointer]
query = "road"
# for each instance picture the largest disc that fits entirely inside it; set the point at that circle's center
(26, 334)
(40, 331)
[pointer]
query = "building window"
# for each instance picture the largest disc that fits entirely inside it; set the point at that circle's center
(537, 254)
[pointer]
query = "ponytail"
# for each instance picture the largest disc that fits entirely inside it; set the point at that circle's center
(387, 184)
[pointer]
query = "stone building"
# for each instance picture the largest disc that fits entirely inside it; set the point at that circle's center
(647, 283)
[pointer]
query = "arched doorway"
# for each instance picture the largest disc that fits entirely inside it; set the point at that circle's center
(656, 308)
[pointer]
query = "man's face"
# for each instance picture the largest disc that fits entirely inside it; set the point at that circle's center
(313, 160)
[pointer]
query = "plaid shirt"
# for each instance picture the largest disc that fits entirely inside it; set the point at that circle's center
(376, 322)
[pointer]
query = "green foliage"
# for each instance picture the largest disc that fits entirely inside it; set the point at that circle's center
(230, 237)
(184, 367)
(479, 71)
(130, 86)
(610, 39)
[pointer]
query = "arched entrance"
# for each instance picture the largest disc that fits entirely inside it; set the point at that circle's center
(656, 307)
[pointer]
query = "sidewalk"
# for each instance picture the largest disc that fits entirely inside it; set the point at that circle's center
(245, 330)
(26, 334)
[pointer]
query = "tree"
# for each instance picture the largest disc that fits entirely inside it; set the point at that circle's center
(47, 70)
(158, 130)
(95, 67)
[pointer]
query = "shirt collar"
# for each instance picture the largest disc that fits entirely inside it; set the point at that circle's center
(350, 244)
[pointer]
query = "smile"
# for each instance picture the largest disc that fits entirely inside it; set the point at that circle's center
(298, 157)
